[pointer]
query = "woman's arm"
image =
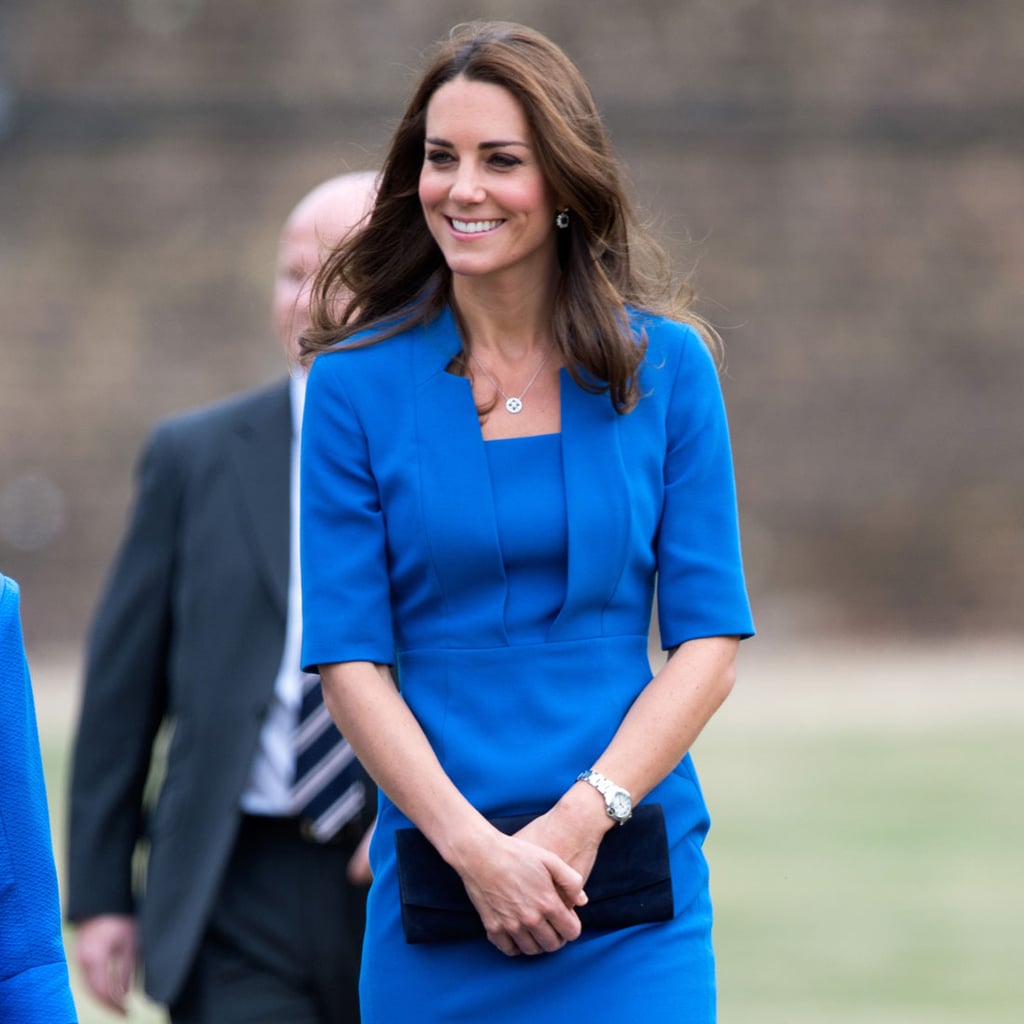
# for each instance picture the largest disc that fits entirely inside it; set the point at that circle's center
(523, 892)
(701, 594)
(669, 715)
(658, 730)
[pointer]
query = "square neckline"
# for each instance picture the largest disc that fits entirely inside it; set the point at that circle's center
(562, 373)
(522, 437)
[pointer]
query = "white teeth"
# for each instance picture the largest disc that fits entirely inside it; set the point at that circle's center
(473, 227)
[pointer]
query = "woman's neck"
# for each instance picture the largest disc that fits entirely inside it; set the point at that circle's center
(514, 322)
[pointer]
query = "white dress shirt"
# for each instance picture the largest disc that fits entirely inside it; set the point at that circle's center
(273, 768)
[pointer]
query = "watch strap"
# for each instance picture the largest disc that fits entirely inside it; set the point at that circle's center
(609, 790)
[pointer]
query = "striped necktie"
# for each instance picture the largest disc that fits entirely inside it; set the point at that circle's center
(329, 789)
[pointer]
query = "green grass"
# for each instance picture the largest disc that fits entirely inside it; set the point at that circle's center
(861, 877)
(866, 852)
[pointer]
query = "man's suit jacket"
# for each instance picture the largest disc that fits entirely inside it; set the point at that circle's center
(188, 636)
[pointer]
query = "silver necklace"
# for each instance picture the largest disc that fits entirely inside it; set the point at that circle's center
(513, 403)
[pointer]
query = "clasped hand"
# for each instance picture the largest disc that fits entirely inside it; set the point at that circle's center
(526, 887)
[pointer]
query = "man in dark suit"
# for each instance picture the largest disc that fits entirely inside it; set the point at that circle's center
(236, 909)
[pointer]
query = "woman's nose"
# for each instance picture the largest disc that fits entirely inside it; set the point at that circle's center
(467, 188)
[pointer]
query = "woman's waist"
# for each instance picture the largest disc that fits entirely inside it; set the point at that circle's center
(543, 687)
(630, 646)
(523, 720)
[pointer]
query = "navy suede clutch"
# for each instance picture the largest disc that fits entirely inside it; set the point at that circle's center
(631, 882)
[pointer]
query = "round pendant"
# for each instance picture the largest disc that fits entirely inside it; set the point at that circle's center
(514, 405)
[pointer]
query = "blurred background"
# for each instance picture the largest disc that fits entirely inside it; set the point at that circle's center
(845, 184)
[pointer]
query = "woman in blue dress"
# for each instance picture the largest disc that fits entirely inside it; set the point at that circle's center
(34, 982)
(508, 450)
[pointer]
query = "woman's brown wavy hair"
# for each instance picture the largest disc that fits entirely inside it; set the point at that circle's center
(391, 274)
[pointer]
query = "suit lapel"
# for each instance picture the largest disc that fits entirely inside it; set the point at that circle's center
(456, 487)
(597, 509)
(261, 460)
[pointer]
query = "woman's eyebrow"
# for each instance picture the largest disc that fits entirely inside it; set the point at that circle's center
(445, 144)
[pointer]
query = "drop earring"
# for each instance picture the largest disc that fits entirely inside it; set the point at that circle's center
(562, 219)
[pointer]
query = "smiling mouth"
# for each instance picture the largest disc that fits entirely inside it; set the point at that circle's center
(474, 227)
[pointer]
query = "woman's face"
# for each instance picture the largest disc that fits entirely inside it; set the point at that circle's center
(484, 198)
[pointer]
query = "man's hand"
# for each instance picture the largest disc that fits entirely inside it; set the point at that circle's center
(358, 870)
(106, 948)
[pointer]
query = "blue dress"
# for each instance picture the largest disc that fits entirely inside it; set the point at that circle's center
(34, 982)
(513, 583)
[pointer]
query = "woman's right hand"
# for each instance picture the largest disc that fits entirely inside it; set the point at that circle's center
(525, 894)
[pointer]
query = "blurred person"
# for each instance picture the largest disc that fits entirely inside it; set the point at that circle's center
(34, 982)
(250, 904)
(511, 441)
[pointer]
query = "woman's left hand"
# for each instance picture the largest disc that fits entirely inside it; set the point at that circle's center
(573, 829)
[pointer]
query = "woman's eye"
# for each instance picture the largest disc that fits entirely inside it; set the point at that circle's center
(438, 156)
(505, 160)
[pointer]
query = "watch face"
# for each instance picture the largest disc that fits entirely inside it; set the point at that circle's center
(620, 806)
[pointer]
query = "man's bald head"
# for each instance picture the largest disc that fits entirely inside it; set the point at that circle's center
(318, 222)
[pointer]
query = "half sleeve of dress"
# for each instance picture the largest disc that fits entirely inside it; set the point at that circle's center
(346, 607)
(701, 588)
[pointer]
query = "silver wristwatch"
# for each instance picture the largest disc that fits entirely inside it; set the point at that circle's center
(617, 802)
